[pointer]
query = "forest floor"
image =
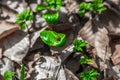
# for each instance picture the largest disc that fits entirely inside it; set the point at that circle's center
(43, 62)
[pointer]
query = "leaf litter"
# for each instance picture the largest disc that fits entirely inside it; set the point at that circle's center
(50, 63)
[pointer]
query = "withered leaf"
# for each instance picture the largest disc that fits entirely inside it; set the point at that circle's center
(7, 28)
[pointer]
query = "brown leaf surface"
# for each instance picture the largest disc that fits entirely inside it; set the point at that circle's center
(102, 44)
(111, 21)
(1, 77)
(116, 52)
(6, 28)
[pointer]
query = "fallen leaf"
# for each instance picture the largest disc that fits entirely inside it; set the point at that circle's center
(0, 53)
(115, 43)
(18, 44)
(49, 68)
(87, 33)
(7, 28)
(102, 44)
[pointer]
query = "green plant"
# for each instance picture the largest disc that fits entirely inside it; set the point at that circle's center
(94, 7)
(78, 45)
(90, 75)
(8, 75)
(53, 38)
(51, 17)
(85, 59)
(23, 17)
(49, 4)
(22, 72)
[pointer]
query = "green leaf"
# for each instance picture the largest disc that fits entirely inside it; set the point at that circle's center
(89, 6)
(22, 73)
(95, 7)
(78, 45)
(90, 75)
(25, 15)
(83, 74)
(53, 38)
(53, 4)
(93, 73)
(19, 21)
(81, 12)
(23, 25)
(40, 7)
(8, 75)
(101, 9)
(83, 5)
(51, 18)
(85, 59)
(93, 78)
(59, 4)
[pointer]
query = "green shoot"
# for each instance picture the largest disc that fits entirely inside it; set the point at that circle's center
(51, 18)
(85, 59)
(53, 38)
(90, 75)
(78, 45)
(8, 75)
(23, 17)
(51, 6)
(22, 73)
(95, 7)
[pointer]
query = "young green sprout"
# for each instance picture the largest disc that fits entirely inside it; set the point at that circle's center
(78, 45)
(22, 73)
(52, 7)
(8, 75)
(90, 75)
(84, 59)
(95, 7)
(51, 18)
(53, 38)
(23, 17)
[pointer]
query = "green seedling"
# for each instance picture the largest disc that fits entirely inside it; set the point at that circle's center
(22, 73)
(8, 75)
(53, 38)
(49, 4)
(78, 45)
(90, 75)
(85, 59)
(52, 6)
(95, 7)
(23, 17)
(51, 18)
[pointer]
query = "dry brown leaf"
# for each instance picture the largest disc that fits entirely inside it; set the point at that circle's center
(8, 13)
(110, 78)
(116, 52)
(16, 46)
(87, 33)
(49, 68)
(102, 44)
(111, 21)
(117, 2)
(0, 53)
(6, 28)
